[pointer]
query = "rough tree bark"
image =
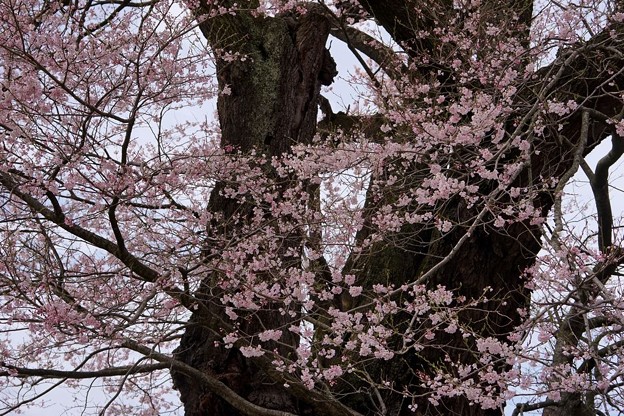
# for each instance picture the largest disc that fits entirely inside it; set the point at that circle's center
(273, 105)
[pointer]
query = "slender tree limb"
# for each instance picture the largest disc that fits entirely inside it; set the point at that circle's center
(139, 268)
(76, 374)
(383, 56)
(59, 218)
(600, 188)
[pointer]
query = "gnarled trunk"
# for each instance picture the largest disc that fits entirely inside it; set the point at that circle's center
(269, 103)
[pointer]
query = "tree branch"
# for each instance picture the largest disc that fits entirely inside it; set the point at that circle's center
(600, 188)
(71, 374)
(384, 56)
(142, 270)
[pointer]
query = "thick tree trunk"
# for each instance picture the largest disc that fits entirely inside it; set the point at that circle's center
(489, 258)
(493, 258)
(272, 105)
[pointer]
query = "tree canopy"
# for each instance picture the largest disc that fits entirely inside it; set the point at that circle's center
(413, 253)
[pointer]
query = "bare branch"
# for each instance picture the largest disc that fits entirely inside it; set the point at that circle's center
(600, 188)
(75, 374)
(384, 56)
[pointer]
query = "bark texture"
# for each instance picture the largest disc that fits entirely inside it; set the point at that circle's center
(272, 105)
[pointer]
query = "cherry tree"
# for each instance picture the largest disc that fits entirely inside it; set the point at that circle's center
(413, 253)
